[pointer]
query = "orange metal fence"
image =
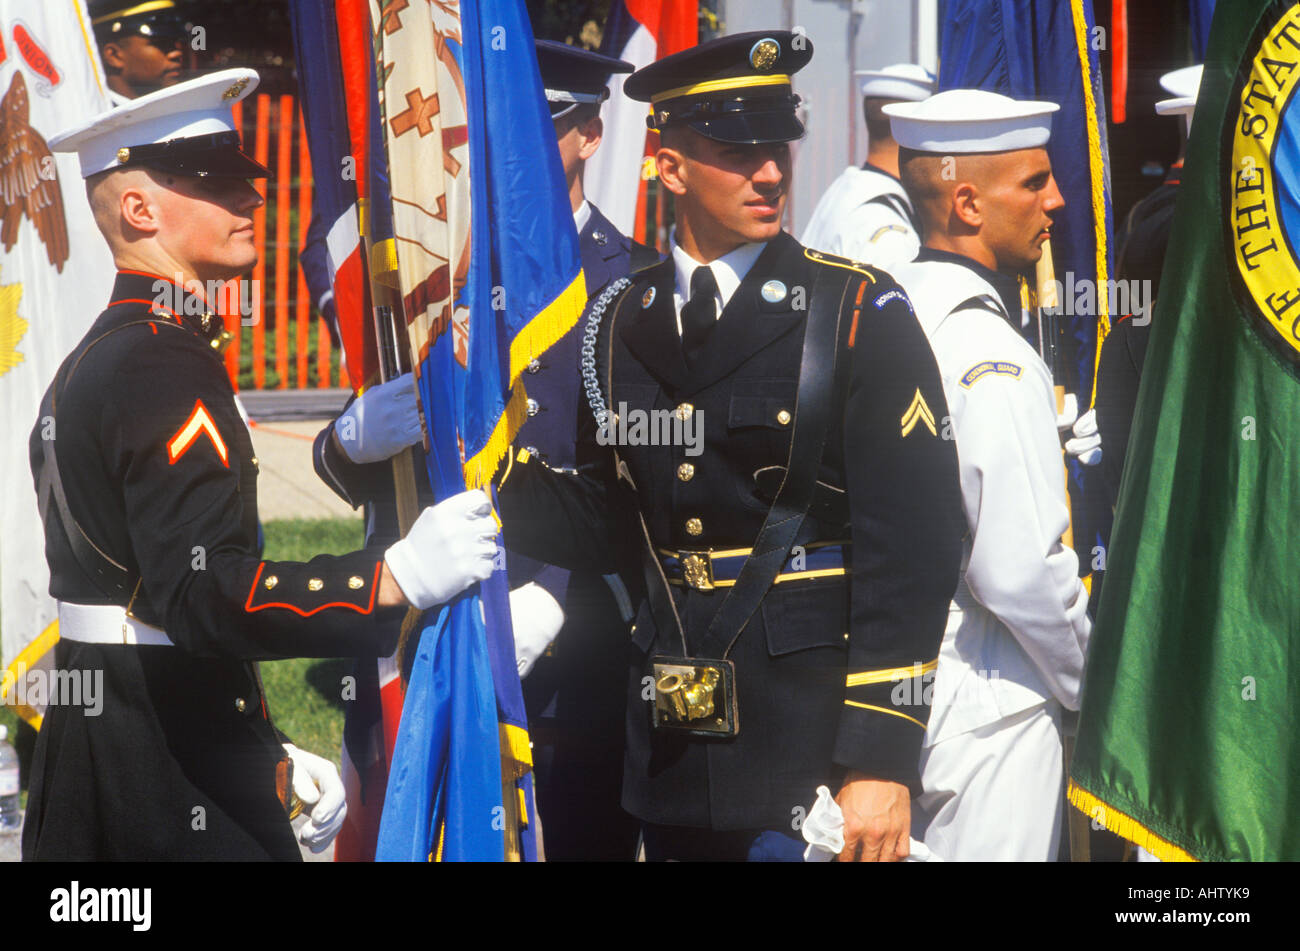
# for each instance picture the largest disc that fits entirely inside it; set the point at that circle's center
(274, 128)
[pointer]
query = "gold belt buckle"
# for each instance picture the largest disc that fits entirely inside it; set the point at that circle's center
(697, 569)
(695, 695)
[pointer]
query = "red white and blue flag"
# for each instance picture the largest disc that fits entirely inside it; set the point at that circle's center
(640, 32)
(332, 41)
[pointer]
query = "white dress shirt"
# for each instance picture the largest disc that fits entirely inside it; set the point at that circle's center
(728, 270)
(582, 215)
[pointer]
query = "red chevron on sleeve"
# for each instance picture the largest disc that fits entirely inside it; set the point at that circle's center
(200, 422)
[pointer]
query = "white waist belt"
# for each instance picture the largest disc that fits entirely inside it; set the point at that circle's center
(106, 624)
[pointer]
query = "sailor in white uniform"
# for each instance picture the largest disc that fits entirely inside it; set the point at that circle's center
(1013, 653)
(866, 214)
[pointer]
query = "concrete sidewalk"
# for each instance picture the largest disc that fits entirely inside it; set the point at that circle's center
(287, 484)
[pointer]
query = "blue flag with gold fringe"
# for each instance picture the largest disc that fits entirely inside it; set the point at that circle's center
(489, 274)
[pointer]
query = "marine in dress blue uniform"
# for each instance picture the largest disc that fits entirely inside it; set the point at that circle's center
(148, 489)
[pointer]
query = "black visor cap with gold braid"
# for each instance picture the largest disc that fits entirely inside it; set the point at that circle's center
(159, 20)
(732, 89)
(217, 155)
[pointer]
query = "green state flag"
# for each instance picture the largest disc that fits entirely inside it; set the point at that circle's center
(1188, 741)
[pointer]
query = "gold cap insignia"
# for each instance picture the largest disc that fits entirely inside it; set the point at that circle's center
(235, 89)
(764, 53)
(123, 155)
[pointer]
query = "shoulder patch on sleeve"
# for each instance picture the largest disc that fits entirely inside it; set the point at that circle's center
(894, 294)
(981, 370)
(881, 232)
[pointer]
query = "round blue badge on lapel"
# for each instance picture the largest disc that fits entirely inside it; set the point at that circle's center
(648, 297)
(773, 292)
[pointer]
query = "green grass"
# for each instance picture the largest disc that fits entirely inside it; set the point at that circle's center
(305, 695)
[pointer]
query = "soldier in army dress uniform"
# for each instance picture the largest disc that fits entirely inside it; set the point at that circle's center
(147, 483)
(798, 562)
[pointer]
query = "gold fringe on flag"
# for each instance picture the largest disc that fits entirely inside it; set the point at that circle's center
(551, 323)
(26, 660)
(482, 466)
(1096, 172)
(1124, 826)
(516, 749)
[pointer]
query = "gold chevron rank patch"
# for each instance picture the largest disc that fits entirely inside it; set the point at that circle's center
(199, 423)
(918, 412)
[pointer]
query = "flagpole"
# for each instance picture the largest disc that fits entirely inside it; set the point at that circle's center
(1048, 312)
(386, 303)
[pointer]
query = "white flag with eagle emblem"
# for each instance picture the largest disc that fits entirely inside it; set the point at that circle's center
(55, 278)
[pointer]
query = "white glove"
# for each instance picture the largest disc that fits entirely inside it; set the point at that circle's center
(1086, 444)
(1069, 412)
(450, 547)
(536, 618)
(381, 422)
(316, 782)
(823, 830)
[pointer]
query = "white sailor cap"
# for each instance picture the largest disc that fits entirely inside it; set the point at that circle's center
(902, 81)
(1183, 84)
(971, 120)
(187, 129)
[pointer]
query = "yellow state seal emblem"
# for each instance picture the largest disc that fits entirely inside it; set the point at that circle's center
(1262, 193)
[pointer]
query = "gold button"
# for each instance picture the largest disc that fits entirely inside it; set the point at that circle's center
(271, 581)
(254, 462)
(683, 411)
(124, 155)
(240, 704)
(315, 584)
(355, 582)
(694, 526)
(686, 472)
(783, 417)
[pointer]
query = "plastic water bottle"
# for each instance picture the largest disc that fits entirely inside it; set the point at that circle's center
(10, 816)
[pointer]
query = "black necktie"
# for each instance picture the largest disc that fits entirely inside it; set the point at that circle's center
(699, 314)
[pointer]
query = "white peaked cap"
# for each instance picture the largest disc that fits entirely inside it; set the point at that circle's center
(1183, 84)
(198, 107)
(971, 120)
(905, 81)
